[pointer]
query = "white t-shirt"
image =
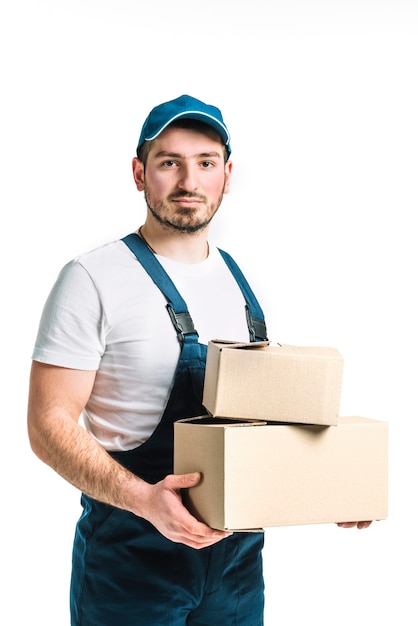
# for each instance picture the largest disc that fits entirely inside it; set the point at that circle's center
(105, 313)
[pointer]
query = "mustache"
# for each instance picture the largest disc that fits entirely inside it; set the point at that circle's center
(187, 194)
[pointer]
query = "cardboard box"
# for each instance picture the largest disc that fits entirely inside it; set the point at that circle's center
(260, 475)
(273, 383)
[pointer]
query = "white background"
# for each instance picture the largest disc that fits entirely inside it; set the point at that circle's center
(321, 99)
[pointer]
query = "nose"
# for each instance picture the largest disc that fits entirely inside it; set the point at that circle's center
(188, 180)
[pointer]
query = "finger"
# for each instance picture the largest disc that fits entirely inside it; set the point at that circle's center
(201, 532)
(347, 524)
(198, 542)
(363, 525)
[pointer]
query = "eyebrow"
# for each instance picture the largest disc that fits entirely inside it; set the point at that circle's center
(176, 155)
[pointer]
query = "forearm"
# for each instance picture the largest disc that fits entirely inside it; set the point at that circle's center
(67, 448)
(56, 398)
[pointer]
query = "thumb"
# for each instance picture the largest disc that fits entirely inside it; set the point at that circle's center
(187, 480)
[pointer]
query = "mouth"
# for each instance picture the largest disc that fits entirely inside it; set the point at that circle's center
(187, 200)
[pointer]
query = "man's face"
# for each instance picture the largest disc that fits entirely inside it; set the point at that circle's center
(184, 179)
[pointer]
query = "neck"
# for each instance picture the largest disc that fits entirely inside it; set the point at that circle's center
(182, 247)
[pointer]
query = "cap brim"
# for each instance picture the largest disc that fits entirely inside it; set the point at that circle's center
(211, 121)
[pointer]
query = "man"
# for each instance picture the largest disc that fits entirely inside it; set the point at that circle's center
(118, 343)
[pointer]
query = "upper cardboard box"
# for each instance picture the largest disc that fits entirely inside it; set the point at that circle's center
(289, 384)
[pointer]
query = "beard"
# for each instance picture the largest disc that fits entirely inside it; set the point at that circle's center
(183, 219)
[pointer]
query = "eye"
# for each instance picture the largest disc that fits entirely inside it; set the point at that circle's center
(207, 164)
(168, 164)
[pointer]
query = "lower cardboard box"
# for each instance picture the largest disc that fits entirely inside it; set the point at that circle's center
(257, 474)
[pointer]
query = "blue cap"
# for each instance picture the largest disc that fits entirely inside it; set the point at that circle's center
(183, 107)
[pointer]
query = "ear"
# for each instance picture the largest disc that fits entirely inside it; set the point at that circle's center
(228, 172)
(138, 172)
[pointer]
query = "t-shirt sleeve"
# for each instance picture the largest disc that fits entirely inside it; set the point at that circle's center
(72, 327)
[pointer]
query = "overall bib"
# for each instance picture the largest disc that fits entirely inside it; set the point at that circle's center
(125, 573)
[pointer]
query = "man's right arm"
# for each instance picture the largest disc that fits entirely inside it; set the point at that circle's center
(57, 397)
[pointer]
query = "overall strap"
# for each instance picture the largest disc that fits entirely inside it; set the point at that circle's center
(176, 306)
(255, 316)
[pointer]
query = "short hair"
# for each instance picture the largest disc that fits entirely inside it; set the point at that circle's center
(142, 151)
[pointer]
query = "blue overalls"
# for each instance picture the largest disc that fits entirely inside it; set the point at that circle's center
(125, 573)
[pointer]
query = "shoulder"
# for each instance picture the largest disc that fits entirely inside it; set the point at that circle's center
(104, 264)
(109, 253)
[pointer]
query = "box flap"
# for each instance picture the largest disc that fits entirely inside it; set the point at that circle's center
(216, 420)
(225, 343)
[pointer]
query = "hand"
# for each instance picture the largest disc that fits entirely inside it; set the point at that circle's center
(165, 510)
(359, 525)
